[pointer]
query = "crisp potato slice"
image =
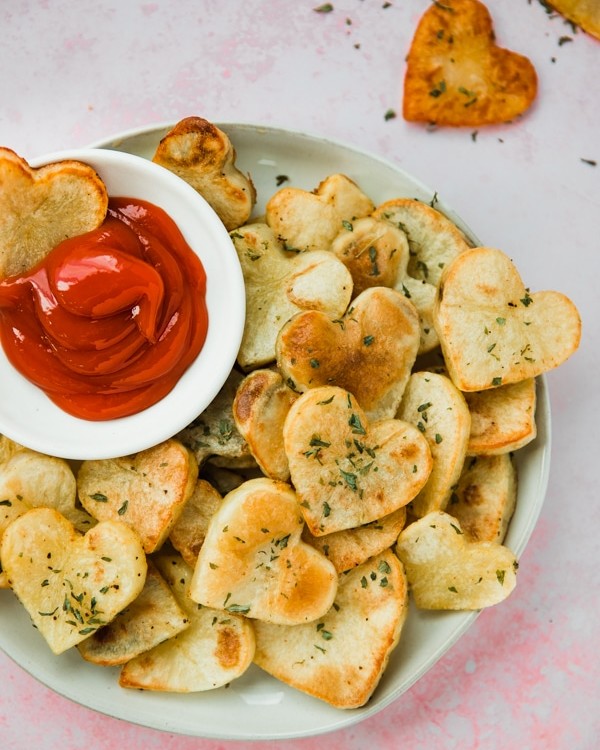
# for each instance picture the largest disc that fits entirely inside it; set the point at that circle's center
(369, 351)
(457, 75)
(147, 491)
(253, 560)
(187, 536)
(213, 650)
(502, 419)
(260, 406)
(213, 433)
(150, 619)
(280, 284)
(71, 584)
(373, 251)
(484, 499)
(351, 547)
(310, 221)
(439, 410)
(492, 330)
(203, 155)
(346, 471)
(341, 657)
(584, 13)
(433, 241)
(447, 571)
(42, 207)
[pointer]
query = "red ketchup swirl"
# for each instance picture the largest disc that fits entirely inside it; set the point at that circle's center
(108, 322)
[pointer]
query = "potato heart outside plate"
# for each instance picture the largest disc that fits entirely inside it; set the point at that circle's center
(457, 75)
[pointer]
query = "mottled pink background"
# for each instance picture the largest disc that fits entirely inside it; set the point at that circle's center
(526, 675)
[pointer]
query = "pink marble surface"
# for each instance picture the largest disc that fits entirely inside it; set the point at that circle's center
(526, 675)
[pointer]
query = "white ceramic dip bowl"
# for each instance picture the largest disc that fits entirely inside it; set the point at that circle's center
(29, 417)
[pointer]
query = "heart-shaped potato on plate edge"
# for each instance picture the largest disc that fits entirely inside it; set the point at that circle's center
(369, 351)
(254, 562)
(447, 570)
(43, 206)
(340, 658)
(492, 330)
(346, 471)
(201, 154)
(71, 584)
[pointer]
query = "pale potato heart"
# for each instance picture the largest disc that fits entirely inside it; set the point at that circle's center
(310, 220)
(492, 330)
(201, 154)
(254, 562)
(446, 570)
(369, 351)
(280, 284)
(147, 491)
(41, 207)
(347, 472)
(71, 584)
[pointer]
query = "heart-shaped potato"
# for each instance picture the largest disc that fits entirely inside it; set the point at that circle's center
(369, 351)
(485, 497)
(340, 658)
(44, 206)
(71, 584)
(214, 649)
(346, 471)
(374, 251)
(310, 221)
(261, 404)
(29, 479)
(202, 155)
(280, 284)
(446, 570)
(492, 330)
(438, 409)
(254, 562)
(147, 491)
(457, 75)
(502, 419)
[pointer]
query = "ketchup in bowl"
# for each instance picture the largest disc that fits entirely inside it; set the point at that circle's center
(108, 322)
